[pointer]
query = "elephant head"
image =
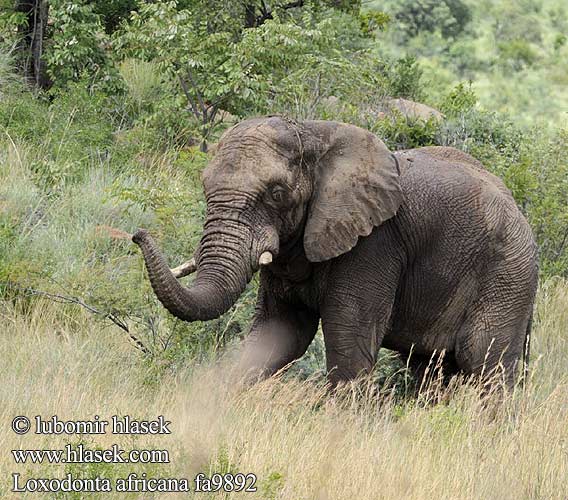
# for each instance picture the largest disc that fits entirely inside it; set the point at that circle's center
(274, 185)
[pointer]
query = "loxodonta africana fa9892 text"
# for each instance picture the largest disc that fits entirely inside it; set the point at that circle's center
(421, 251)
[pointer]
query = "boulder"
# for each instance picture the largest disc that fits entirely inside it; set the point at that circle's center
(414, 111)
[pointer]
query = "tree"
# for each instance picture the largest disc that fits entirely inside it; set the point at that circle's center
(449, 16)
(32, 35)
(78, 46)
(221, 64)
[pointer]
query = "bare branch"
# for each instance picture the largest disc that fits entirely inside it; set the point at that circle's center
(193, 105)
(64, 299)
(267, 14)
(185, 269)
(197, 93)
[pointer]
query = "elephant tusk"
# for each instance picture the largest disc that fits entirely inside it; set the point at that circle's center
(184, 269)
(265, 259)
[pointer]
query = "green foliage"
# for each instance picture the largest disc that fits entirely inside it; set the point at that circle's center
(77, 128)
(113, 12)
(272, 485)
(250, 71)
(222, 463)
(143, 82)
(539, 179)
(10, 20)
(450, 17)
(78, 47)
(459, 100)
(404, 78)
(518, 21)
(401, 132)
(349, 6)
(517, 53)
(560, 41)
(312, 363)
(22, 115)
(511, 51)
(374, 20)
(183, 48)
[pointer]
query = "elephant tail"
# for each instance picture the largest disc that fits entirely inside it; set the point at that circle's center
(527, 351)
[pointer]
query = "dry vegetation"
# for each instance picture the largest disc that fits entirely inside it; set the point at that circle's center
(301, 442)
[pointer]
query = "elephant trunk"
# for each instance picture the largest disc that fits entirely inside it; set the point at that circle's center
(223, 271)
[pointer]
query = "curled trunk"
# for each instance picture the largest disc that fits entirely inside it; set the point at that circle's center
(222, 274)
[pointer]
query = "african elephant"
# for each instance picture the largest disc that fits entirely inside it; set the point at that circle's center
(421, 250)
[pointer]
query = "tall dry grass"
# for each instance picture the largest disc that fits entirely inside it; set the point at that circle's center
(301, 442)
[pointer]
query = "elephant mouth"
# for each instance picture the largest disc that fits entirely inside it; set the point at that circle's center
(264, 248)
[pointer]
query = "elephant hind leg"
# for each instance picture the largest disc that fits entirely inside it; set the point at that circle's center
(493, 359)
(430, 373)
(491, 341)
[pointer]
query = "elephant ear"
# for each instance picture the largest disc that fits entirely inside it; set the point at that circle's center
(356, 188)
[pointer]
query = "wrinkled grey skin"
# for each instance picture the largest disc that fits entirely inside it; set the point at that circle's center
(421, 251)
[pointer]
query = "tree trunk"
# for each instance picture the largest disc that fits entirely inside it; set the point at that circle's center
(250, 16)
(32, 44)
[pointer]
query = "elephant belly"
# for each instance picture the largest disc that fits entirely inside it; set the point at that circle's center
(429, 312)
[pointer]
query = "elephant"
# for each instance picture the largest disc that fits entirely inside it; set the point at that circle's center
(420, 251)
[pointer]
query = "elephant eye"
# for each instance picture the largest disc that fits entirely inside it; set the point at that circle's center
(278, 193)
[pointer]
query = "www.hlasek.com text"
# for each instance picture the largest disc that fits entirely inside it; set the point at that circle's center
(80, 454)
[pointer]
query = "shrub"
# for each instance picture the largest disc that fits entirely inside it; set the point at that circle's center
(517, 54)
(78, 47)
(450, 17)
(404, 77)
(400, 132)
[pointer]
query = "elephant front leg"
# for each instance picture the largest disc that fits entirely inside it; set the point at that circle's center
(355, 318)
(280, 334)
(351, 345)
